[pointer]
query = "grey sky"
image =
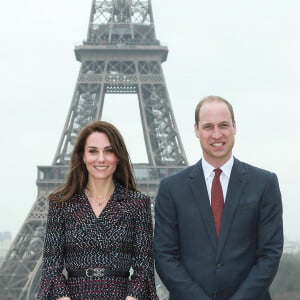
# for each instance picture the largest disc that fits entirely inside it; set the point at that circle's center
(246, 51)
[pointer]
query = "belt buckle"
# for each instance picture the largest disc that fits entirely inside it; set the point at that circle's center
(97, 272)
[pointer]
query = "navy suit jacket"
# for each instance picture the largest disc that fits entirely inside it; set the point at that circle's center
(192, 262)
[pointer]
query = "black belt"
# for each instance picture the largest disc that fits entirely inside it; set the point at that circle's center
(97, 272)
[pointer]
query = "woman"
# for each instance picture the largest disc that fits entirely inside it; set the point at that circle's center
(99, 226)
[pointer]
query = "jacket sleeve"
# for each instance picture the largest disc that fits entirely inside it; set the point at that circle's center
(142, 283)
(270, 245)
(53, 283)
(167, 249)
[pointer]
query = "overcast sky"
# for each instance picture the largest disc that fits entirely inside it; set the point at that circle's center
(245, 51)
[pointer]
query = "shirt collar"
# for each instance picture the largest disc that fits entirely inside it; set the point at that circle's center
(208, 168)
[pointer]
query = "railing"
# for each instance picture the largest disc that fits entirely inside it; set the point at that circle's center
(123, 43)
(142, 172)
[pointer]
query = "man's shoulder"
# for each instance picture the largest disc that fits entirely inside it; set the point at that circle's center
(252, 169)
(182, 174)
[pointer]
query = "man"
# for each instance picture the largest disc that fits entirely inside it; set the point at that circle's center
(233, 251)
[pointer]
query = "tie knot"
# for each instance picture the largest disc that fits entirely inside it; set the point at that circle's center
(217, 172)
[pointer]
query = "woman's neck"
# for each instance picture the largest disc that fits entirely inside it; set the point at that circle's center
(100, 189)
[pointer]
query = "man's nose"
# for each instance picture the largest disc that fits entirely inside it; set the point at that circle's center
(216, 133)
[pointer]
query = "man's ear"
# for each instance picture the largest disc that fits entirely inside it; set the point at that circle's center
(234, 127)
(196, 130)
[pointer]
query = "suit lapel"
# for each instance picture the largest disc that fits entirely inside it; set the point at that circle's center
(200, 194)
(237, 183)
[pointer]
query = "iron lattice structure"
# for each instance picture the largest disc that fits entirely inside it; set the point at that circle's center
(120, 55)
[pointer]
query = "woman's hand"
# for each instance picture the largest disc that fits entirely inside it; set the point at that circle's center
(130, 298)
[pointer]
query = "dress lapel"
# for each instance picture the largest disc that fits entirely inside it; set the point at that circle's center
(237, 183)
(200, 194)
(117, 209)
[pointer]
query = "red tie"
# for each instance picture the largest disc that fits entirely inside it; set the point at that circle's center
(217, 200)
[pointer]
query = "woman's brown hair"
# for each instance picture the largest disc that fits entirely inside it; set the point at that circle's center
(77, 176)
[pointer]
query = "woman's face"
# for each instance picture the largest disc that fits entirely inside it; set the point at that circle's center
(99, 157)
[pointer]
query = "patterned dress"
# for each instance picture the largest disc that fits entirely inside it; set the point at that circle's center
(119, 239)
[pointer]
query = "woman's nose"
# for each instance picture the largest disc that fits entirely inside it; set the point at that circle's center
(101, 156)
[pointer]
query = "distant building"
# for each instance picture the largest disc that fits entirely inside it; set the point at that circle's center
(5, 241)
(291, 247)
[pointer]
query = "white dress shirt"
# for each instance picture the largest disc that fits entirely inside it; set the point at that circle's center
(209, 174)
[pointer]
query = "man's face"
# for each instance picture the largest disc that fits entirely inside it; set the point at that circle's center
(216, 132)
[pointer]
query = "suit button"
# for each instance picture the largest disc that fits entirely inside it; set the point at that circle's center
(219, 266)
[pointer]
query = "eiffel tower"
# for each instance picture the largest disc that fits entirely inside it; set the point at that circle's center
(120, 55)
